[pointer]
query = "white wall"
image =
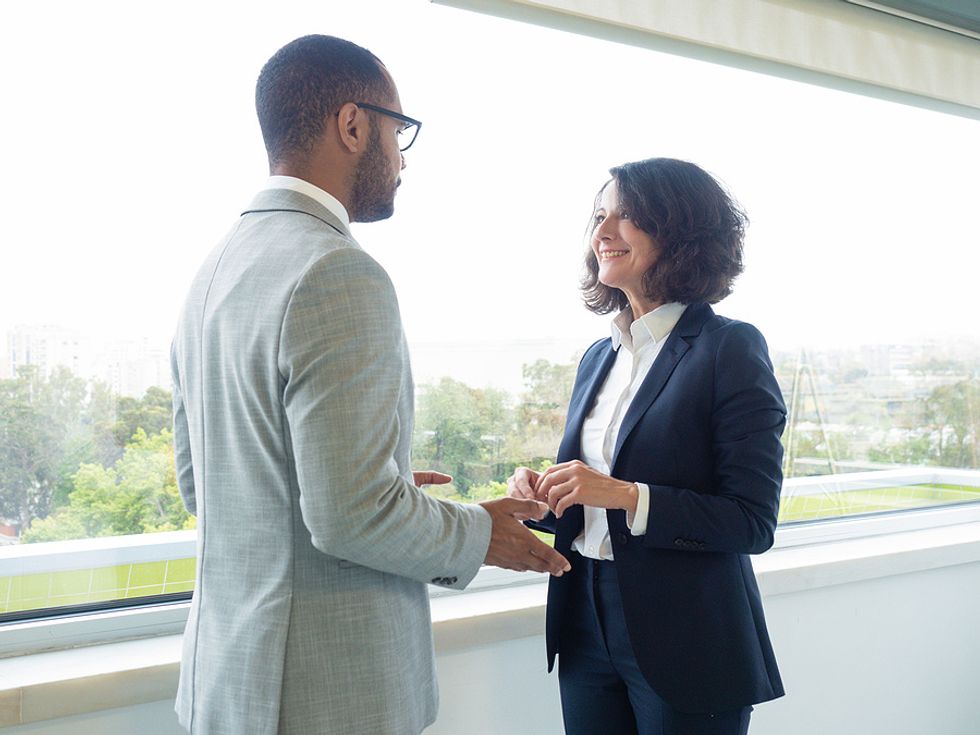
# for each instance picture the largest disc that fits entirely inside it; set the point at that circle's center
(893, 655)
(157, 718)
(499, 689)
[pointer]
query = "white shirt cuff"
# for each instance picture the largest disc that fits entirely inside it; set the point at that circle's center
(638, 522)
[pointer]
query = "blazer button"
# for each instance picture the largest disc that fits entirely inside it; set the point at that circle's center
(622, 538)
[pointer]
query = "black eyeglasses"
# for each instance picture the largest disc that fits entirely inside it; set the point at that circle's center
(406, 133)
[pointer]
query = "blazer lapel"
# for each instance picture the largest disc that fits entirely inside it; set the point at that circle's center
(689, 326)
(593, 376)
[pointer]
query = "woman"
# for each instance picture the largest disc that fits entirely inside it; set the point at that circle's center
(668, 475)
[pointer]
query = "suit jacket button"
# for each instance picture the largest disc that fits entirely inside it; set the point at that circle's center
(621, 537)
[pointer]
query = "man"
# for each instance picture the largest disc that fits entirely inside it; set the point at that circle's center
(292, 424)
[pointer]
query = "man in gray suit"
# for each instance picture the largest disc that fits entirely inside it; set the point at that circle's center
(293, 420)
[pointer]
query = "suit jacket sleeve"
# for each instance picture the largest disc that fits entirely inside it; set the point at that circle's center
(548, 524)
(747, 418)
(342, 357)
(182, 443)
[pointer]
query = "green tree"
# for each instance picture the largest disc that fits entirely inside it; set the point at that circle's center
(953, 411)
(152, 413)
(102, 417)
(541, 413)
(475, 493)
(461, 431)
(913, 450)
(945, 432)
(137, 495)
(45, 432)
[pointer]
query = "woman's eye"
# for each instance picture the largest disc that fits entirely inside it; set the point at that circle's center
(624, 215)
(598, 219)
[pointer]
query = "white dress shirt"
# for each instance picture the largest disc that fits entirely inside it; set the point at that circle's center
(313, 192)
(642, 339)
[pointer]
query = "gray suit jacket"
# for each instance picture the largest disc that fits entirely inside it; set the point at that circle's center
(293, 411)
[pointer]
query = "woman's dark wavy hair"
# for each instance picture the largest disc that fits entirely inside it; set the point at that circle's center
(698, 225)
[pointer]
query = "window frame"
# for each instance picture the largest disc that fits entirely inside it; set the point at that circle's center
(152, 618)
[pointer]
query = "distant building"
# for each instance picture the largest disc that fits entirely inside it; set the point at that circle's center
(8, 535)
(128, 367)
(45, 346)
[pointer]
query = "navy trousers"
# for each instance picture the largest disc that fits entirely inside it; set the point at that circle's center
(603, 691)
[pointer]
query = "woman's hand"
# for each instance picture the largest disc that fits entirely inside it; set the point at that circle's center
(522, 483)
(575, 483)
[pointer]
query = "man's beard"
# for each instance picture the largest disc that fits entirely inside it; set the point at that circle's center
(372, 197)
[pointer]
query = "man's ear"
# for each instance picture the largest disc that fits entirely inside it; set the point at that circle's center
(352, 127)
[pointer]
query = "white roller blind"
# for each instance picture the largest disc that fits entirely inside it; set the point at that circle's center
(832, 39)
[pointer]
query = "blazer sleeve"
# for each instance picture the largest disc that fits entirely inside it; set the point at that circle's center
(747, 417)
(341, 357)
(182, 442)
(548, 524)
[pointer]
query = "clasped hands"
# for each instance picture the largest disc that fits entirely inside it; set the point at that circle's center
(512, 545)
(530, 496)
(573, 483)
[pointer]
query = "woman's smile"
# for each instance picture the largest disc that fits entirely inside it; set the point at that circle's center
(624, 251)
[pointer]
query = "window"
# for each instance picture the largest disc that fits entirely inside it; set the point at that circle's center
(128, 161)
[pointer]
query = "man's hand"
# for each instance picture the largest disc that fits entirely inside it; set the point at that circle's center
(513, 546)
(575, 483)
(428, 477)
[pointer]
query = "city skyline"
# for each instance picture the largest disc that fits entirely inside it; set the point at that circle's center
(129, 365)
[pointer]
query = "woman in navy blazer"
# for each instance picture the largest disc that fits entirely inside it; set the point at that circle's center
(668, 476)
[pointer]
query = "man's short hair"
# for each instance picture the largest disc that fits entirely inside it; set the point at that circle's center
(698, 226)
(306, 81)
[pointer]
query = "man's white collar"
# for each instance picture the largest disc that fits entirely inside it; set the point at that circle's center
(313, 192)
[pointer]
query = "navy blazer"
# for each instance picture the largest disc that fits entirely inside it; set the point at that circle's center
(703, 432)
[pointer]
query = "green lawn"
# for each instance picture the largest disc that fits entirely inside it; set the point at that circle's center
(81, 586)
(874, 500)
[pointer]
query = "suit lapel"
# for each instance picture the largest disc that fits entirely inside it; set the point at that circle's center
(592, 374)
(678, 343)
(592, 377)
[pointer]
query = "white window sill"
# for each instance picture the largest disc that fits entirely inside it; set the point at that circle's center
(54, 684)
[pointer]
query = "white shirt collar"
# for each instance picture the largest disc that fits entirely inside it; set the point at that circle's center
(313, 192)
(654, 325)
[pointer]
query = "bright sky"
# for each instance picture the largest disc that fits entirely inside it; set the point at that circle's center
(131, 145)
